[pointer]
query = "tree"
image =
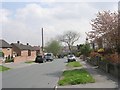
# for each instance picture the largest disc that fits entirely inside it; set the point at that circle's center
(53, 47)
(85, 50)
(105, 29)
(69, 37)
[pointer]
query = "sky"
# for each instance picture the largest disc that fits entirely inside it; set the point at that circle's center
(22, 21)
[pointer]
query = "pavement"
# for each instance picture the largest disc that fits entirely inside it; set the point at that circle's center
(102, 79)
(13, 65)
(43, 75)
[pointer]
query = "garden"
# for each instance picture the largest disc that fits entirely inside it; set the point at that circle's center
(102, 46)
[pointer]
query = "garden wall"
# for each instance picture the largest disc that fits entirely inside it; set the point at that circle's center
(23, 58)
(111, 68)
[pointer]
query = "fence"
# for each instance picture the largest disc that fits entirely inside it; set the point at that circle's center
(108, 67)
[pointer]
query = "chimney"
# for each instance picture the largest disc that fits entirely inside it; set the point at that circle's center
(18, 42)
(27, 43)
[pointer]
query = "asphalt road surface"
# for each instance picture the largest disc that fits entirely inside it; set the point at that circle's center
(44, 75)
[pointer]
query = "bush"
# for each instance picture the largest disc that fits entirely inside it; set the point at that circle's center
(113, 58)
(9, 59)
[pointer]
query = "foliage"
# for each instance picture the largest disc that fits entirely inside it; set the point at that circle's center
(3, 68)
(94, 54)
(69, 38)
(1, 54)
(77, 76)
(105, 30)
(9, 59)
(53, 47)
(85, 49)
(101, 50)
(74, 64)
(113, 58)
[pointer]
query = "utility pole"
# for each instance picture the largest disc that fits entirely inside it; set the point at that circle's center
(42, 40)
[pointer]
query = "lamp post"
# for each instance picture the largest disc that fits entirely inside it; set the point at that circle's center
(42, 40)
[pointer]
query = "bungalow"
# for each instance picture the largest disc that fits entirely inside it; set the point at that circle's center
(5, 48)
(23, 52)
(37, 49)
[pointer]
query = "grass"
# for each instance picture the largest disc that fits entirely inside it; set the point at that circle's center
(74, 64)
(77, 76)
(30, 62)
(3, 68)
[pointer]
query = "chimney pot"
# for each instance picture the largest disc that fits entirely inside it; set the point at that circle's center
(18, 42)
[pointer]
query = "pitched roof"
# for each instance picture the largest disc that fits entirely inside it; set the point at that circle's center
(36, 48)
(23, 47)
(4, 44)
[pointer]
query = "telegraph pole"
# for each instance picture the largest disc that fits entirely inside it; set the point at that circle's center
(42, 40)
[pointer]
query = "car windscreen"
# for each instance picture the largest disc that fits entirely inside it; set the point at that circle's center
(49, 55)
(71, 56)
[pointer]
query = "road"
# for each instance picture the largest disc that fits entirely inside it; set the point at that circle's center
(44, 75)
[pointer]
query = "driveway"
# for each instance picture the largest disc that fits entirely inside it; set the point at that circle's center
(44, 75)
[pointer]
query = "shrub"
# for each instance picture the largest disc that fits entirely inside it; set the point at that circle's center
(9, 59)
(93, 54)
(113, 58)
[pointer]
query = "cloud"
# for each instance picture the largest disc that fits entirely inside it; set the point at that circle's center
(26, 23)
(4, 13)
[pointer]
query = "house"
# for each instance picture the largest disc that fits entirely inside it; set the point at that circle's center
(37, 49)
(5, 48)
(23, 52)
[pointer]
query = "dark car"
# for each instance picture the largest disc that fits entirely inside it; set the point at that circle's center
(39, 59)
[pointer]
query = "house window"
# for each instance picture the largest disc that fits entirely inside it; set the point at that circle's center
(29, 53)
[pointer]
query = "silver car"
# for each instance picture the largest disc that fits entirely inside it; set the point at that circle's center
(71, 58)
(49, 57)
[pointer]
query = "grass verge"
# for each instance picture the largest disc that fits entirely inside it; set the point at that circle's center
(74, 64)
(30, 62)
(3, 68)
(77, 76)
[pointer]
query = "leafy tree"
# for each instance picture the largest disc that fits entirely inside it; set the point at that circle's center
(85, 50)
(53, 47)
(69, 37)
(105, 29)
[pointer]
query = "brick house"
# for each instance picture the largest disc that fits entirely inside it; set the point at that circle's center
(6, 48)
(37, 49)
(23, 52)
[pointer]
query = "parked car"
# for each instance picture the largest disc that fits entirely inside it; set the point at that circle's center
(49, 57)
(71, 58)
(40, 59)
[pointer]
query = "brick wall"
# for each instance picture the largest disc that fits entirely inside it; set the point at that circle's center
(24, 53)
(33, 53)
(24, 58)
(7, 51)
(16, 50)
